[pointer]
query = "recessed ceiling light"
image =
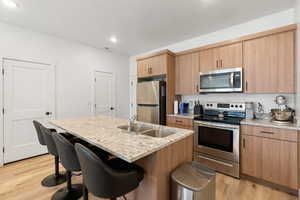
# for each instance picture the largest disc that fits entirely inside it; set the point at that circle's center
(113, 39)
(10, 3)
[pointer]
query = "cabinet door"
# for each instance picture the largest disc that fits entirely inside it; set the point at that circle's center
(231, 56)
(186, 73)
(142, 68)
(271, 160)
(269, 64)
(251, 156)
(157, 65)
(208, 60)
(288, 164)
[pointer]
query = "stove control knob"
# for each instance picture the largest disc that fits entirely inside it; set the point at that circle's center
(207, 104)
(232, 106)
(236, 106)
(241, 106)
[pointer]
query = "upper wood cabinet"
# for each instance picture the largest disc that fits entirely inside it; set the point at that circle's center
(186, 73)
(228, 56)
(269, 64)
(270, 154)
(153, 66)
(208, 60)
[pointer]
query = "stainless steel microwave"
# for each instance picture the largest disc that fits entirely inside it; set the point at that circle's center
(226, 80)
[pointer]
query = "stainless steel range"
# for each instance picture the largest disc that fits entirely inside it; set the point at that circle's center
(217, 137)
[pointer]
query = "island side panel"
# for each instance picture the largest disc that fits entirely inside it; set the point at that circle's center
(158, 168)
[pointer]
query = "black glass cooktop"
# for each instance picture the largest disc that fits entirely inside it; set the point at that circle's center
(225, 120)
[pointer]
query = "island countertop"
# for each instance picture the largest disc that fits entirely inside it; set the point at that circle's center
(104, 133)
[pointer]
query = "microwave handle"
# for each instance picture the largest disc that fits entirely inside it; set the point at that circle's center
(232, 79)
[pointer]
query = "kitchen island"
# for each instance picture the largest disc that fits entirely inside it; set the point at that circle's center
(159, 156)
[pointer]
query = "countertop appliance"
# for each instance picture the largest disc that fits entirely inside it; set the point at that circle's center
(184, 108)
(151, 102)
(217, 137)
(226, 80)
(283, 114)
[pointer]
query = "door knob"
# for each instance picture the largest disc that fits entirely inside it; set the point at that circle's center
(48, 113)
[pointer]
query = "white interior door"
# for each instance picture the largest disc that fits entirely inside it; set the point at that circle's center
(29, 94)
(104, 94)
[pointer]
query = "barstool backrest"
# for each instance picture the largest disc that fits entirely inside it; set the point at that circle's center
(37, 125)
(96, 175)
(66, 153)
(47, 135)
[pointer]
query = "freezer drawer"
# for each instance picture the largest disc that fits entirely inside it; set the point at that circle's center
(148, 93)
(149, 114)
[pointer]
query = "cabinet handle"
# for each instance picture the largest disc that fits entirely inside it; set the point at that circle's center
(197, 88)
(150, 70)
(244, 143)
(221, 62)
(178, 121)
(217, 63)
(267, 132)
(246, 85)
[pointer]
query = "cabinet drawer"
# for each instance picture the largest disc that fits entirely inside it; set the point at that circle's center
(180, 121)
(275, 133)
(180, 126)
(268, 132)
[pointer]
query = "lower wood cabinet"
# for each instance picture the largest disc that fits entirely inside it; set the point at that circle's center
(251, 155)
(273, 160)
(180, 122)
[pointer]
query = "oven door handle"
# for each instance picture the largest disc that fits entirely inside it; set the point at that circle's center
(215, 126)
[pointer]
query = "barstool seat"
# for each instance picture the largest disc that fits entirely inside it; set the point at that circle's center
(107, 179)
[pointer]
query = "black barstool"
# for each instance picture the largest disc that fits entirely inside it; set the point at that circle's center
(56, 178)
(107, 179)
(70, 162)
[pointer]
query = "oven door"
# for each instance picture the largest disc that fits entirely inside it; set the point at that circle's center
(227, 80)
(217, 139)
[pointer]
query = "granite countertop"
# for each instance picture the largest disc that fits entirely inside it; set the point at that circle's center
(269, 123)
(186, 116)
(103, 132)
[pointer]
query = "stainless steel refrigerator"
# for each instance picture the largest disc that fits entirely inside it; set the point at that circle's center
(151, 102)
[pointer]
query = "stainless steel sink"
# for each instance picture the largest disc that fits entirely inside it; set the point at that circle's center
(158, 133)
(137, 128)
(144, 130)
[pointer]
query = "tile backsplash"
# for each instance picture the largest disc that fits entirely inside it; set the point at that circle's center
(267, 100)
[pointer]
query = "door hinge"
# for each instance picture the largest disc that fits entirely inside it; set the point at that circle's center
(3, 111)
(3, 71)
(95, 79)
(3, 150)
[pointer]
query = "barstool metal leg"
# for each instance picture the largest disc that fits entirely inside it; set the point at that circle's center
(85, 193)
(56, 178)
(71, 192)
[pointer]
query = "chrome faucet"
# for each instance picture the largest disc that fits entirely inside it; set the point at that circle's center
(132, 120)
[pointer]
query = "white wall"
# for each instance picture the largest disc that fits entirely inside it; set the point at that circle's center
(262, 24)
(75, 64)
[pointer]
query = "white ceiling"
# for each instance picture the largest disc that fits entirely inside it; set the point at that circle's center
(140, 25)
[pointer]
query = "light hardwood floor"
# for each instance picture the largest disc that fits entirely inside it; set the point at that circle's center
(21, 181)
